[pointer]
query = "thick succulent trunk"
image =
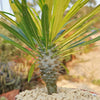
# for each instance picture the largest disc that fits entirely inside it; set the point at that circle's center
(51, 87)
(50, 76)
(49, 68)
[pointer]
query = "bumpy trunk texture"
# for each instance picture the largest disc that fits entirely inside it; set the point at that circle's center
(49, 71)
(50, 77)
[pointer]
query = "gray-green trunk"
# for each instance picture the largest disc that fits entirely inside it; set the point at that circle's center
(49, 68)
(50, 76)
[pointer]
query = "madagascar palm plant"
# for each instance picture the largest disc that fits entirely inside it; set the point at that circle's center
(45, 35)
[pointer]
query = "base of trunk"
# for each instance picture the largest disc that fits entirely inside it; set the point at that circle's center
(52, 88)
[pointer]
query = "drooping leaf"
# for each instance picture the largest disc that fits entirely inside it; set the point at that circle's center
(16, 44)
(66, 69)
(15, 33)
(31, 72)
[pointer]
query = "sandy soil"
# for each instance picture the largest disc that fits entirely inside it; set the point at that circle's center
(63, 94)
(82, 85)
(89, 65)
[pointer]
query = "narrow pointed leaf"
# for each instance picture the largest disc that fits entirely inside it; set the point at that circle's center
(15, 44)
(4, 12)
(75, 35)
(30, 25)
(31, 72)
(66, 69)
(81, 21)
(45, 24)
(85, 37)
(16, 10)
(86, 43)
(35, 19)
(8, 18)
(15, 33)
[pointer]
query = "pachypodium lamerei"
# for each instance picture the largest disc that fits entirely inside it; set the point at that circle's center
(45, 35)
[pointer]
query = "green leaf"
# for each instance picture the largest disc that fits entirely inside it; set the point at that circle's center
(24, 3)
(78, 43)
(35, 18)
(4, 12)
(69, 22)
(15, 33)
(75, 8)
(50, 6)
(86, 43)
(41, 3)
(85, 37)
(57, 16)
(20, 32)
(81, 21)
(64, 43)
(16, 10)
(25, 21)
(45, 24)
(30, 25)
(18, 5)
(27, 32)
(31, 72)
(66, 69)
(16, 44)
(8, 18)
